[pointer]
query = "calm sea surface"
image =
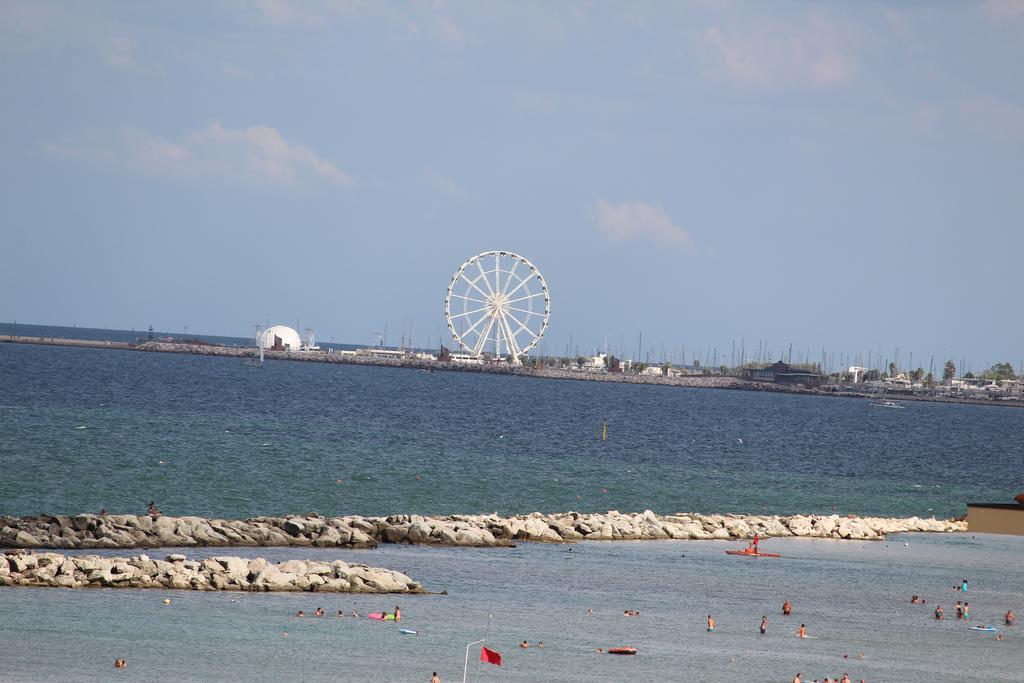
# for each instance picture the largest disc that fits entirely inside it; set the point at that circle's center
(82, 429)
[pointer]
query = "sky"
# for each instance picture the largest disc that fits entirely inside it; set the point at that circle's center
(845, 177)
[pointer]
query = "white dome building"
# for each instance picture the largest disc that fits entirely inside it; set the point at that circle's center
(281, 337)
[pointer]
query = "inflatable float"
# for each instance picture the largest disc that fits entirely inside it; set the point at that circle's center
(747, 552)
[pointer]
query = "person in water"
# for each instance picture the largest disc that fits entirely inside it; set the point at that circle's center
(764, 624)
(967, 610)
(938, 613)
(963, 586)
(355, 613)
(398, 613)
(120, 663)
(300, 613)
(1008, 619)
(341, 614)
(319, 612)
(802, 633)
(959, 610)
(711, 623)
(523, 645)
(797, 679)
(435, 678)
(787, 608)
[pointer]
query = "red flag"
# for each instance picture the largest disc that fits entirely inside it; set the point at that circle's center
(490, 656)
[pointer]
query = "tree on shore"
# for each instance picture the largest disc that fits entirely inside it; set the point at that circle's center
(929, 380)
(949, 371)
(999, 371)
(892, 369)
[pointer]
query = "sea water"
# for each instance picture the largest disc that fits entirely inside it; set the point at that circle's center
(82, 429)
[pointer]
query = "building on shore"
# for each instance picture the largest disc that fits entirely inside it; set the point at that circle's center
(280, 338)
(996, 518)
(784, 373)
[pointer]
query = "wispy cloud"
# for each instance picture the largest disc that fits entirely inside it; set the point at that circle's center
(1001, 9)
(443, 185)
(257, 155)
(639, 221)
(118, 52)
(810, 53)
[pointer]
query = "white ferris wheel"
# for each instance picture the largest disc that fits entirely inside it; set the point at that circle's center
(497, 302)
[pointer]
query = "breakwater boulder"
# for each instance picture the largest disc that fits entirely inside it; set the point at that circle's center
(25, 568)
(131, 531)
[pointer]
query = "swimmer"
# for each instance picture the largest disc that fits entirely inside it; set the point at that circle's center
(341, 614)
(300, 613)
(319, 612)
(541, 645)
(589, 611)
(355, 613)
(1008, 619)
(787, 608)
(802, 633)
(1000, 636)
(120, 663)
(711, 623)
(764, 624)
(523, 645)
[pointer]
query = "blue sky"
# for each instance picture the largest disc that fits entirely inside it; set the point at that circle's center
(846, 176)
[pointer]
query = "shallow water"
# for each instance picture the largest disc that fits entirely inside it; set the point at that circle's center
(853, 596)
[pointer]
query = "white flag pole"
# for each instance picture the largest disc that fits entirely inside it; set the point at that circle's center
(487, 632)
(465, 667)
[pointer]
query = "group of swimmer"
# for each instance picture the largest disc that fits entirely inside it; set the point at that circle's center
(319, 612)
(787, 610)
(844, 679)
(963, 609)
(525, 645)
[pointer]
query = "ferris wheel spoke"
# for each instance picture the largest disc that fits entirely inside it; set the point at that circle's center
(510, 339)
(477, 310)
(469, 298)
(483, 276)
(524, 298)
(521, 310)
(516, 260)
(479, 347)
(521, 324)
(473, 327)
(521, 284)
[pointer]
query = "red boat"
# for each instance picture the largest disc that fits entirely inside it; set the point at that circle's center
(622, 650)
(750, 552)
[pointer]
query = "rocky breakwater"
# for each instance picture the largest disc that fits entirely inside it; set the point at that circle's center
(21, 568)
(130, 531)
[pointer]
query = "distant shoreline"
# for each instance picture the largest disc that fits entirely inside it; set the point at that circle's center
(688, 381)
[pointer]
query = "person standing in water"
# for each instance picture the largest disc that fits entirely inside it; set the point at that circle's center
(938, 613)
(398, 614)
(802, 633)
(764, 624)
(967, 610)
(959, 610)
(711, 623)
(963, 586)
(1008, 619)
(787, 608)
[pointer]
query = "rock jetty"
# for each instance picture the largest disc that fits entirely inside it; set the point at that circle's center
(20, 568)
(145, 531)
